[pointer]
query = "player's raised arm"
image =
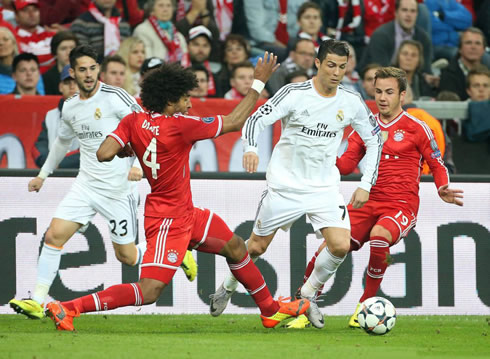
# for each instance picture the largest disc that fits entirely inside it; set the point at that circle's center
(263, 70)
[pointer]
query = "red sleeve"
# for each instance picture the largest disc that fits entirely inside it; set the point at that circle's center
(356, 150)
(122, 133)
(200, 128)
(427, 146)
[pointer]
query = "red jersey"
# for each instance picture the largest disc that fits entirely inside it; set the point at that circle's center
(162, 144)
(407, 142)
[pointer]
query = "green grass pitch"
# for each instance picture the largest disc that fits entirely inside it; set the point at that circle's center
(240, 336)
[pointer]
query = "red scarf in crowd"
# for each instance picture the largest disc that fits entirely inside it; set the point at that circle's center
(223, 13)
(112, 36)
(174, 50)
(186, 62)
(282, 25)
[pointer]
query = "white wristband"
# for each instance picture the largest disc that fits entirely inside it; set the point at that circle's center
(258, 86)
(43, 174)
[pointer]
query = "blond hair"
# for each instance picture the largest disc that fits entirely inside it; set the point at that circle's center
(124, 50)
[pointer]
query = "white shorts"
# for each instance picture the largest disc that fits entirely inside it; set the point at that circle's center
(80, 205)
(280, 209)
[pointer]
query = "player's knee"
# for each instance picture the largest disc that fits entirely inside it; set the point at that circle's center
(379, 231)
(235, 248)
(151, 290)
(54, 238)
(126, 257)
(339, 248)
(256, 248)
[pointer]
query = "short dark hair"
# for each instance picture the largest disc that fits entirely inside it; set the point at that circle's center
(473, 30)
(331, 46)
(398, 3)
(478, 70)
(292, 75)
(368, 67)
(59, 38)
(80, 51)
(246, 64)
(166, 84)
(25, 56)
(392, 72)
(200, 67)
(301, 39)
(308, 5)
(237, 38)
(109, 59)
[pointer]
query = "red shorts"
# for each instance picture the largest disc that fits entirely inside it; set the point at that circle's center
(169, 238)
(396, 217)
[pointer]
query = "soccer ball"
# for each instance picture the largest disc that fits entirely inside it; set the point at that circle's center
(377, 316)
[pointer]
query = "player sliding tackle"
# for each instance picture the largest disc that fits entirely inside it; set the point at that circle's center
(103, 188)
(162, 139)
(302, 177)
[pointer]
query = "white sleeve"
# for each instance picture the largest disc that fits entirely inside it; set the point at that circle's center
(274, 109)
(55, 156)
(124, 104)
(366, 126)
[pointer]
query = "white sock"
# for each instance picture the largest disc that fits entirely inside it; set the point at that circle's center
(47, 268)
(325, 266)
(231, 283)
(141, 247)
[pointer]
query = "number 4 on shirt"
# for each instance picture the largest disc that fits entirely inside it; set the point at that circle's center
(150, 158)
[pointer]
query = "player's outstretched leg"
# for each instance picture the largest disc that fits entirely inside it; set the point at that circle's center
(189, 266)
(120, 295)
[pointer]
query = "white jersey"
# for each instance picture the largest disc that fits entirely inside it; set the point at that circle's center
(91, 120)
(312, 130)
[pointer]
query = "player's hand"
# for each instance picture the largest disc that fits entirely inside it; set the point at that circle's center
(135, 174)
(451, 195)
(126, 151)
(250, 162)
(35, 184)
(265, 67)
(359, 198)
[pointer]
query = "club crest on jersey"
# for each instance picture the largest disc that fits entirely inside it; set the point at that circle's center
(399, 135)
(435, 154)
(384, 135)
(207, 119)
(98, 114)
(172, 255)
(340, 116)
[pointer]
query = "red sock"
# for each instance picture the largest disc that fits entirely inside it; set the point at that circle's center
(120, 295)
(380, 249)
(247, 273)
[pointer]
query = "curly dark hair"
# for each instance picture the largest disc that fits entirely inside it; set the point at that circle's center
(166, 84)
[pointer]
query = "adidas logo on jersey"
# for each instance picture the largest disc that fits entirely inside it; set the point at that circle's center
(305, 113)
